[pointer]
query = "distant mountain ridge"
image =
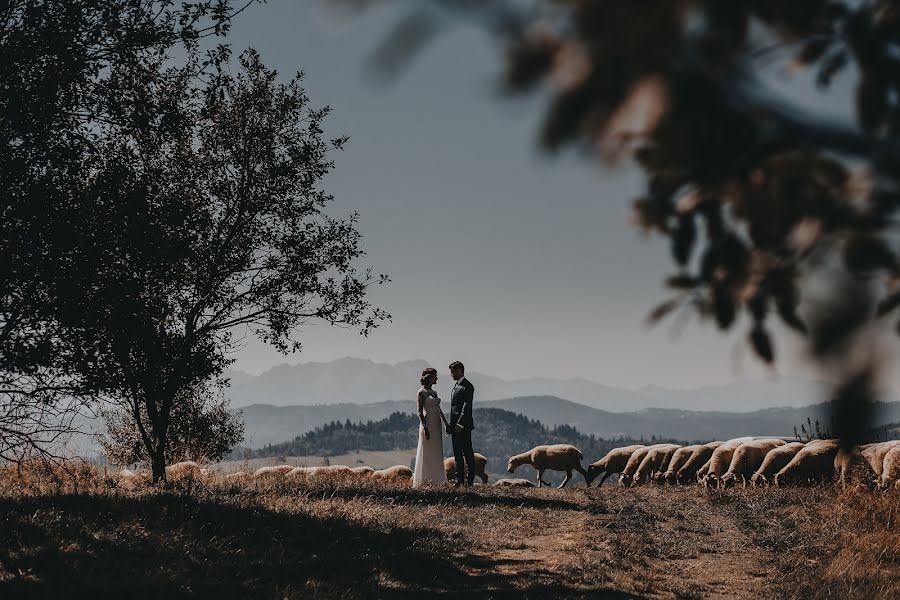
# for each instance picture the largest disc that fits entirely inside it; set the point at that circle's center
(362, 381)
(266, 424)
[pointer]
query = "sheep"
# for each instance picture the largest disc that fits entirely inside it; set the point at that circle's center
(774, 461)
(698, 460)
(875, 453)
(277, 470)
(890, 472)
(703, 470)
(679, 458)
(558, 457)
(721, 459)
(747, 458)
(614, 462)
(397, 472)
(183, 470)
(129, 479)
(237, 476)
(364, 471)
(632, 465)
(656, 460)
(851, 466)
(480, 465)
(514, 483)
(814, 460)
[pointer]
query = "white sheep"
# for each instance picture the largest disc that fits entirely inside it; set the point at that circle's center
(890, 473)
(875, 453)
(397, 472)
(614, 462)
(851, 466)
(678, 460)
(480, 467)
(183, 470)
(364, 471)
(656, 460)
(276, 471)
(557, 457)
(514, 483)
(814, 461)
(698, 460)
(747, 458)
(631, 467)
(721, 460)
(774, 461)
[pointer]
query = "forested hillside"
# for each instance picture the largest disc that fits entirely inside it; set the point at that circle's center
(498, 433)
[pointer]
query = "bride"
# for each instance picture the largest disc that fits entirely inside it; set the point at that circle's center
(430, 453)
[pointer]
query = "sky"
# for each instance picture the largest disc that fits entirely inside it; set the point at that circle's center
(515, 262)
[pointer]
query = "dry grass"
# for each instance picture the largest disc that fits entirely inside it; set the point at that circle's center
(87, 535)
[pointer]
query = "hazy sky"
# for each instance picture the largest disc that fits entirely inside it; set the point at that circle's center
(516, 263)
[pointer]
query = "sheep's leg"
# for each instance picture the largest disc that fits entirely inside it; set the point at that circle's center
(484, 479)
(540, 478)
(566, 480)
(605, 475)
(581, 470)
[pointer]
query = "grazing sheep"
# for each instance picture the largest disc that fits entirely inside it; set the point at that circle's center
(890, 472)
(398, 472)
(480, 466)
(747, 458)
(656, 460)
(678, 460)
(614, 462)
(774, 461)
(365, 471)
(129, 479)
(238, 476)
(632, 465)
(850, 466)
(277, 470)
(721, 460)
(698, 461)
(814, 461)
(558, 457)
(875, 453)
(183, 470)
(514, 483)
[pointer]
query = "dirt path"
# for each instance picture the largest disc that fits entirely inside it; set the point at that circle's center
(694, 550)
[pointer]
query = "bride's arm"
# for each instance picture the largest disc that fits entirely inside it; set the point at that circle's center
(420, 399)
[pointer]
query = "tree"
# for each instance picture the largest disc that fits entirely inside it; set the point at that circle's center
(208, 212)
(756, 196)
(201, 429)
(56, 98)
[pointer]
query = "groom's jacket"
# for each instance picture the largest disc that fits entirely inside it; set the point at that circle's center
(463, 394)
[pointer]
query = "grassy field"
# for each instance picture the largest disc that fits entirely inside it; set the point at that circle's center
(87, 536)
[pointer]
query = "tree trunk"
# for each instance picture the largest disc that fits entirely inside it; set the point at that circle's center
(158, 466)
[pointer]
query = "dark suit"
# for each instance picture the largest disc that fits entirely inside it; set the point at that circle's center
(461, 412)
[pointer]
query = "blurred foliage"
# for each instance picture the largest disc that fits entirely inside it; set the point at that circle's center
(757, 196)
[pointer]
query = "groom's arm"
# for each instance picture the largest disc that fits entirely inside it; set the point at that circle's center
(470, 396)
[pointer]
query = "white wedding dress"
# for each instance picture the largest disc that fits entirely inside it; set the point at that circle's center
(430, 453)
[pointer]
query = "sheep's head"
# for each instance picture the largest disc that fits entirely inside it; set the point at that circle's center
(593, 471)
(514, 463)
(670, 477)
(758, 479)
(727, 479)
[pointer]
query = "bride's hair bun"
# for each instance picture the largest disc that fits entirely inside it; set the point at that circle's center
(426, 373)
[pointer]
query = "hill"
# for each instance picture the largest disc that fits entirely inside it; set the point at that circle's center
(272, 425)
(361, 381)
(499, 435)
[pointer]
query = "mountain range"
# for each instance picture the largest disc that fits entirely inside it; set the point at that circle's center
(266, 424)
(362, 381)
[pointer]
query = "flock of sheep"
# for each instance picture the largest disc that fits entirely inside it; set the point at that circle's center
(748, 460)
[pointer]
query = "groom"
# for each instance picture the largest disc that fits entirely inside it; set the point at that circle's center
(461, 424)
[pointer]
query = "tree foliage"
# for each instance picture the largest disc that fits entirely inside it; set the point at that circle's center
(202, 429)
(760, 198)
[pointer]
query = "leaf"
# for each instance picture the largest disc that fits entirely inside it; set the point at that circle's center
(762, 344)
(683, 238)
(864, 254)
(682, 281)
(661, 310)
(723, 306)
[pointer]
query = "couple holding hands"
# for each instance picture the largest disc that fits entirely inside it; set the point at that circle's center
(430, 452)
